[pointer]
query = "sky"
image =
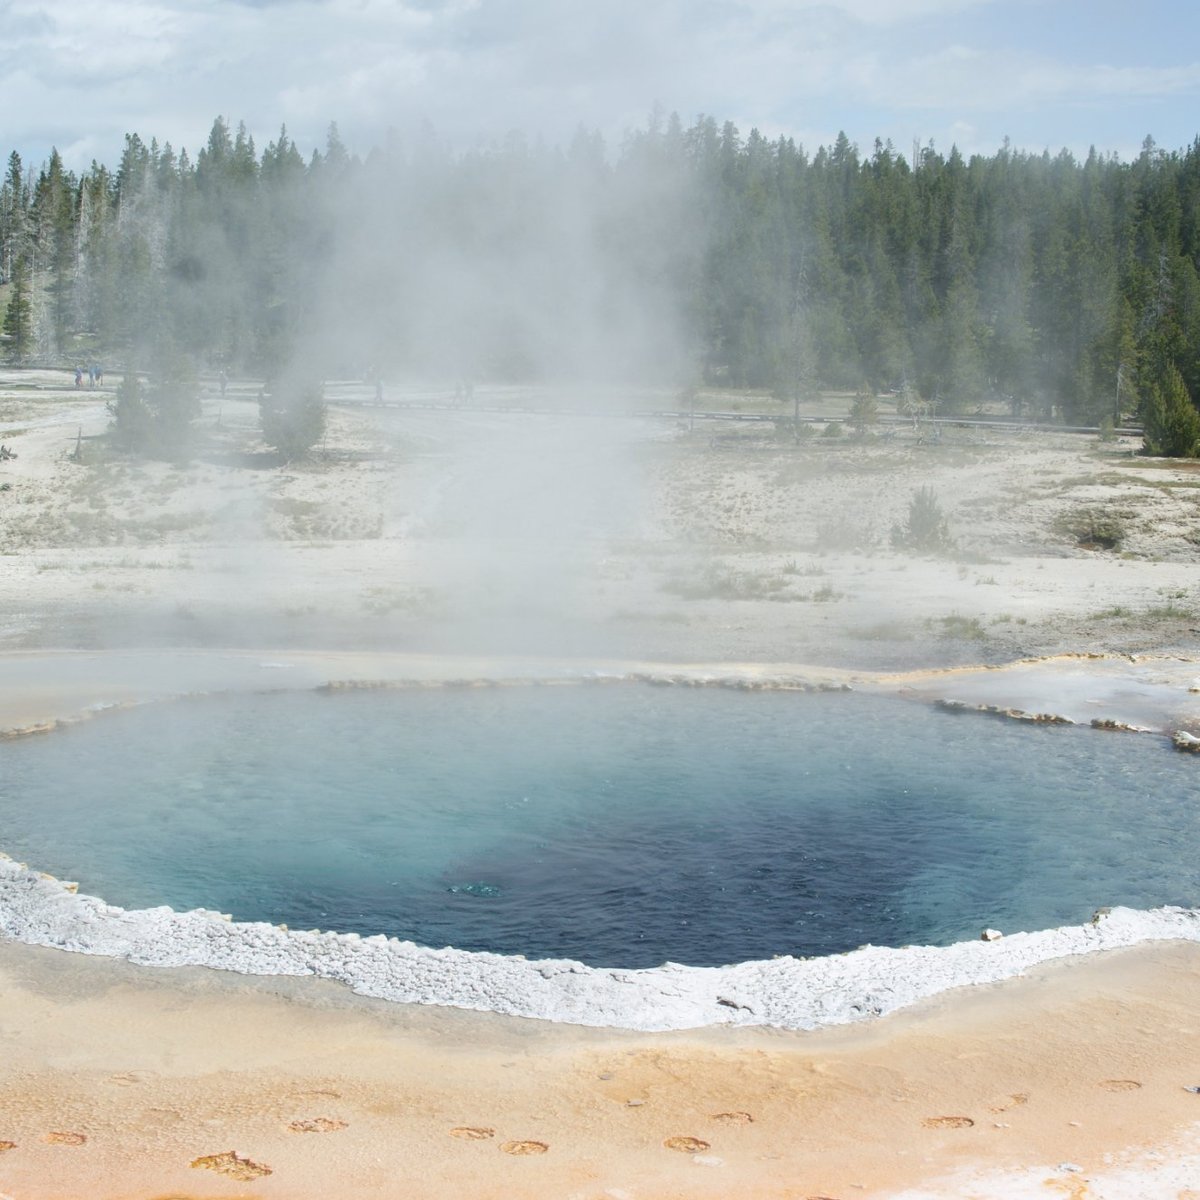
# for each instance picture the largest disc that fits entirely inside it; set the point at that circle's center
(1047, 74)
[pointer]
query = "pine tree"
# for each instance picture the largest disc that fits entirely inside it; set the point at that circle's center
(864, 410)
(1170, 421)
(54, 220)
(18, 315)
(155, 418)
(1035, 279)
(14, 215)
(292, 415)
(132, 424)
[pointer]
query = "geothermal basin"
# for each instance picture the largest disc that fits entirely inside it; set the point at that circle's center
(598, 850)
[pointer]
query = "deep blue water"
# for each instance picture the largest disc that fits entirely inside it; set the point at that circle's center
(619, 825)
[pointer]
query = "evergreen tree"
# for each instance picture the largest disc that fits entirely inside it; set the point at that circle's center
(155, 417)
(1170, 421)
(1039, 281)
(14, 215)
(132, 424)
(292, 415)
(54, 219)
(18, 315)
(864, 410)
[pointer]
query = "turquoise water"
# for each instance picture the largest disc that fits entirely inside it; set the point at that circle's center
(619, 825)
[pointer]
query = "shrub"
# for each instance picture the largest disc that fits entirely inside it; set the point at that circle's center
(156, 417)
(292, 416)
(1169, 418)
(925, 528)
(864, 411)
(1092, 529)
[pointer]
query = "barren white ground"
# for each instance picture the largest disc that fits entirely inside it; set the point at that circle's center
(424, 545)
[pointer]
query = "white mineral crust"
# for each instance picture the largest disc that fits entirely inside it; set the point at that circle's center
(788, 993)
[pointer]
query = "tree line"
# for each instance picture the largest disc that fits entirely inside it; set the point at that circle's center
(1064, 289)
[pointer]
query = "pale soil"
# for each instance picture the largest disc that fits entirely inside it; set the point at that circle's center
(490, 533)
(116, 1082)
(456, 545)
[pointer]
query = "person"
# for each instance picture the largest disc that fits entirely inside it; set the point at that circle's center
(223, 381)
(79, 377)
(99, 375)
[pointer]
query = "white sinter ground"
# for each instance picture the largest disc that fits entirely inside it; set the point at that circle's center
(786, 992)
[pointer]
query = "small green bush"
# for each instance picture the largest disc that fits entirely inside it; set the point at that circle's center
(292, 416)
(1092, 529)
(968, 629)
(926, 528)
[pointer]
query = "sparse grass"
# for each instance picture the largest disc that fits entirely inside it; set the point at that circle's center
(288, 506)
(1165, 464)
(810, 570)
(72, 527)
(1159, 612)
(843, 533)
(825, 594)
(1092, 529)
(412, 601)
(670, 617)
(960, 628)
(1100, 479)
(294, 519)
(1173, 485)
(718, 582)
(885, 631)
(1167, 612)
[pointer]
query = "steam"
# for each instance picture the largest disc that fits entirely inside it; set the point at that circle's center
(511, 278)
(510, 266)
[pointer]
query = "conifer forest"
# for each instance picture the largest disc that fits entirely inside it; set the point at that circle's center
(1056, 288)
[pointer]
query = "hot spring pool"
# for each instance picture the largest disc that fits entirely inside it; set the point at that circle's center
(622, 826)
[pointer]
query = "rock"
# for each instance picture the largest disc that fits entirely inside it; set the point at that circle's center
(730, 1002)
(1189, 743)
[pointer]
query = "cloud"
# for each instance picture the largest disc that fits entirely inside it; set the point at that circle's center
(879, 13)
(962, 77)
(81, 73)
